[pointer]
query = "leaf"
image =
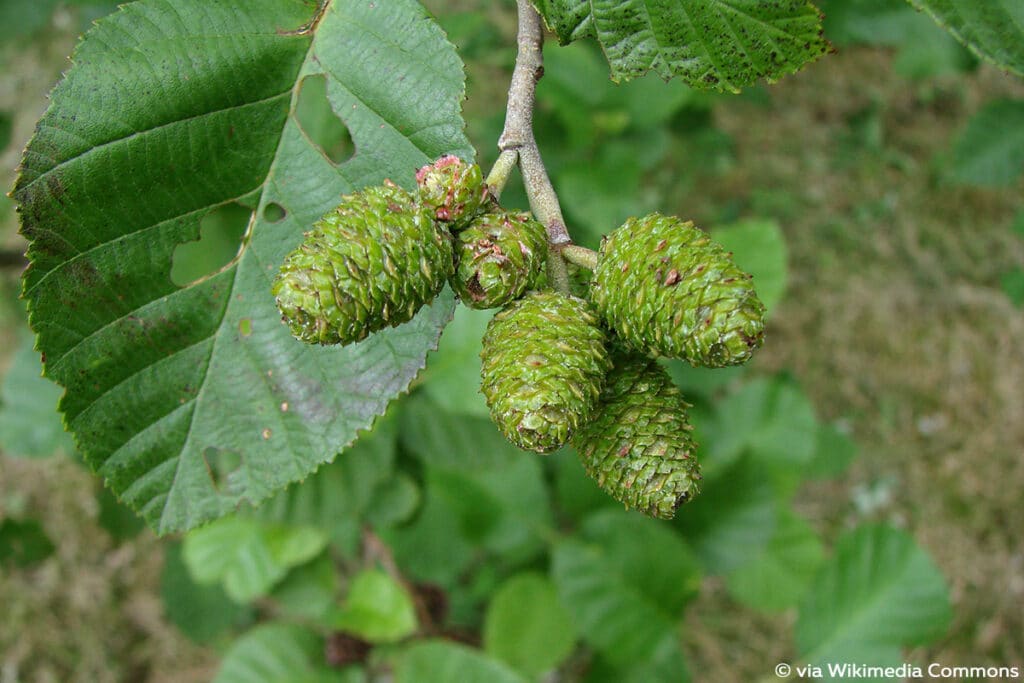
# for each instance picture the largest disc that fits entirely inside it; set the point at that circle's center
(308, 590)
(452, 440)
(733, 517)
(171, 110)
(759, 248)
(202, 612)
(1012, 282)
(445, 662)
(625, 586)
(377, 609)
(23, 543)
(452, 377)
(527, 627)
(834, 452)
(990, 151)
(30, 425)
(115, 518)
(431, 548)
(247, 556)
(666, 665)
(717, 44)
(772, 419)
(276, 653)
(879, 591)
(779, 576)
(993, 29)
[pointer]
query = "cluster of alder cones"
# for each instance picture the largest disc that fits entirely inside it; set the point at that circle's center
(557, 368)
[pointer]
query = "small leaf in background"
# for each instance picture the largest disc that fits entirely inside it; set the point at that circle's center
(451, 440)
(992, 29)
(772, 419)
(759, 248)
(666, 665)
(779, 576)
(577, 494)
(308, 590)
(733, 517)
(1012, 282)
(625, 585)
(394, 501)
(452, 376)
(202, 612)
(527, 627)
(923, 49)
(878, 592)
(23, 543)
(377, 609)
(990, 151)
(432, 547)
(445, 662)
(704, 382)
(833, 453)
(118, 520)
(698, 42)
(6, 126)
(248, 556)
(30, 425)
(277, 653)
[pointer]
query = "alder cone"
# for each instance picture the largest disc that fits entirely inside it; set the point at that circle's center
(371, 263)
(544, 363)
(666, 289)
(453, 190)
(499, 256)
(638, 445)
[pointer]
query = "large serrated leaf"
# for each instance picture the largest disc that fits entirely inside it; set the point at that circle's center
(880, 591)
(992, 29)
(191, 400)
(714, 44)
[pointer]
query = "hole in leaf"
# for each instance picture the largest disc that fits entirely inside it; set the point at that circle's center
(319, 122)
(224, 466)
(220, 234)
(274, 212)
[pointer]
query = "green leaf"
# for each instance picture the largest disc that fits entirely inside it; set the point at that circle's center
(452, 377)
(377, 609)
(626, 585)
(23, 543)
(666, 665)
(993, 29)
(879, 591)
(454, 441)
(118, 521)
(779, 576)
(394, 502)
(733, 517)
(202, 612)
(247, 556)
(277, 653)
(431, 548)
(446, 662)
(171, 110)
(527, 627)
(833, 453)
(308, 590)
(1012, 282)
(718, 44)
(30, 425)
(990, 151)
(772, 419)
(759, 247)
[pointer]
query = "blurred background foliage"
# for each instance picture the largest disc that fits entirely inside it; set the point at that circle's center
(876, 197)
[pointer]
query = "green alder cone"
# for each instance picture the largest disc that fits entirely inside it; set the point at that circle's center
(371, 263)
(453, 190)
(500, 256)
(638, 446)
(666, 289)
(544, 363)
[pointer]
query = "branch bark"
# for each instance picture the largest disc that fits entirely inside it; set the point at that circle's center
(518, 137)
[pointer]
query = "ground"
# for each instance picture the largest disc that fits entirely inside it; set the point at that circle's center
(894, 323)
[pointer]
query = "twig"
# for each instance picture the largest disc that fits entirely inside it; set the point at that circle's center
(518, 136)
(498, 177)
(581, 256)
